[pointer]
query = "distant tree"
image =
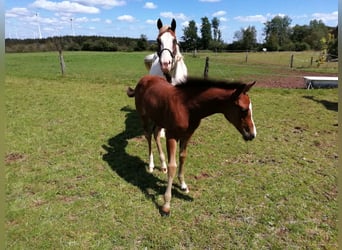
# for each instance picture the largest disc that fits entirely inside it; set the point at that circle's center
(246, 38)
(298, 36)
(190, 37)
(215, 23)
(142, 43)
(205, 33)
(216, 43)
(333, 44)
(317, 31)
(277, 32)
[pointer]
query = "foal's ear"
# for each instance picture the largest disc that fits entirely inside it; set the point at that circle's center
(159, 23)
(173, 25)
(242, 89)
(248, 87)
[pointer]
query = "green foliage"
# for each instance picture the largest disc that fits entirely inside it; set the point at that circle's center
(190, 37)
(246, 38)
(75, 162)
(277, 32)
(205, 33)
(142, 44)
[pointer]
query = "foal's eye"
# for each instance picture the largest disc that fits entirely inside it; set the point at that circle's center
(244, 112)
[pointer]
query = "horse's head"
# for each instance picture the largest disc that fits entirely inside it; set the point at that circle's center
(167, 45)
(240, 114)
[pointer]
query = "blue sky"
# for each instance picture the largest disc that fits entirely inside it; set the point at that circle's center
(131, 18)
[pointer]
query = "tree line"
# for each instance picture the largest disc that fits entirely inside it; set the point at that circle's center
(75, 43)
(278, 32)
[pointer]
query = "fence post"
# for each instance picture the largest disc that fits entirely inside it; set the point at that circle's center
(246, 59)
(311, 62)
(61, 61)
(206, 68)
(291, 63)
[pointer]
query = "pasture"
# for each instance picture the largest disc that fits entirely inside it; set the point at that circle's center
(76, 160)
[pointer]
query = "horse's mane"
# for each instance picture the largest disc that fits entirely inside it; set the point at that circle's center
(164, 29)
(194, 82)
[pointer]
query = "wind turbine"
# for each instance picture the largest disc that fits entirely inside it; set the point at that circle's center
(72, 27)
(39, 32)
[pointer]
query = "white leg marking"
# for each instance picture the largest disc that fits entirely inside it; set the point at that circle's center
(254, 128)
(151, 164)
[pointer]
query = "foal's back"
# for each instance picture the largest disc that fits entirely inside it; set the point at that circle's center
(157, 100)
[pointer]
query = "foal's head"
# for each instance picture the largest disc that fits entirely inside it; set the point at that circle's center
(167, 45)
(240, 114)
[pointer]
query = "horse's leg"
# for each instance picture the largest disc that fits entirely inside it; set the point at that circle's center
(148, 136)
(182, 156)
(171, 168)
(160, 149)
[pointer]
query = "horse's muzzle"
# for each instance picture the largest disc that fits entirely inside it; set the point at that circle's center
(248, 136)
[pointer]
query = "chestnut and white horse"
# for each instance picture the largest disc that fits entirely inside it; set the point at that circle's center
(168, 61)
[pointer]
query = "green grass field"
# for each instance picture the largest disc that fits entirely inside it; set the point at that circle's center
(76, 161)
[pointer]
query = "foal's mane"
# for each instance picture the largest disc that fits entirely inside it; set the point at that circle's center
(193, 82)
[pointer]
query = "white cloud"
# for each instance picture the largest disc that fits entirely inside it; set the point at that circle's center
(126, 18)
(15, 12)
(170, 14)
(150, 21)
(65, 6)
(103, 3)
(185, 24)
(81, 20)
(326, 17)
(255, 18)
(150, 5)
(108, 21)
(219, 13)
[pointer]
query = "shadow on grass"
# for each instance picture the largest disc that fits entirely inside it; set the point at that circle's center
(131, 168)
(333, 106)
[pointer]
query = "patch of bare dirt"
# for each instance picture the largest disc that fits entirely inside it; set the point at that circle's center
(285, 79)
(14, 157)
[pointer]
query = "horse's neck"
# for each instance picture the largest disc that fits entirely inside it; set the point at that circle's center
(209, 102)
(180, 71)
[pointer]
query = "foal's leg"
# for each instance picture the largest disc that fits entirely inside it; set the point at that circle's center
(148, 136)
(160, 149)
(182, 156)
(172, 166)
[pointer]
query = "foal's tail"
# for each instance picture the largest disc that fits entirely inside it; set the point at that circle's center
(130, 92)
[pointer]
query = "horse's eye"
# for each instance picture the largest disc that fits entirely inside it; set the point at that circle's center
(244, 112)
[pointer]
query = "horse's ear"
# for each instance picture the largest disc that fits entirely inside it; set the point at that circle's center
(159, 24)
(173, 25)
(248, 87)
(244, 88)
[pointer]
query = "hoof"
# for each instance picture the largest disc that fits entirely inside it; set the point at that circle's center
(164, 212)
(150, 170)
(185, 190)
(164, 170)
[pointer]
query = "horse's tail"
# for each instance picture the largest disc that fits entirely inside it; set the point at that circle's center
(148, 60)
(130, 92)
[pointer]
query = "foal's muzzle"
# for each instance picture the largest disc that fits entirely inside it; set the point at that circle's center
(248, 135)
